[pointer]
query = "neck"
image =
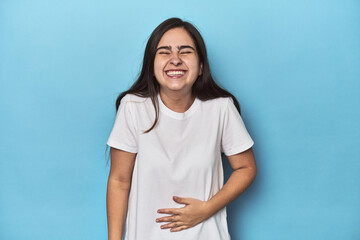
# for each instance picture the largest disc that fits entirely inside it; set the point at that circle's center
(178, 102)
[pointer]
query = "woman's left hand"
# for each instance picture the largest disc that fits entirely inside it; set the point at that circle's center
(194, 212)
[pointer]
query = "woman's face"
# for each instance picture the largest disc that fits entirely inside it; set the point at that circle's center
(176, 64)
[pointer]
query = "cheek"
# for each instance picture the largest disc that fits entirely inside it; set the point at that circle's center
(159, 64)
(158, 71)
(157, 67)
(194, 66)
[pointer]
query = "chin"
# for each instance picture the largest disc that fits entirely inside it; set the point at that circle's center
(176, 89)
(175, 86)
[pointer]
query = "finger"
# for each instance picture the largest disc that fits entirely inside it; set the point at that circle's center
(171, 225)
(176, 229)
(181, 200)
(169, 211)
(172, 218)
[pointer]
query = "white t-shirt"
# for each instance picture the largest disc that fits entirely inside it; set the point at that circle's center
(181, 157)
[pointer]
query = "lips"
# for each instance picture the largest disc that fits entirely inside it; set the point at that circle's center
(175, 73)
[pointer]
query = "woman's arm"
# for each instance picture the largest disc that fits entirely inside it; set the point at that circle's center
(244, 173)
(119, 182)
(196, 211)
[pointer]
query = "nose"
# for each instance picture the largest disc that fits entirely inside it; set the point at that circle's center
(175, 60)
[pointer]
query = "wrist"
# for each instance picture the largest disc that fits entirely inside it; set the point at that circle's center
(209, 209)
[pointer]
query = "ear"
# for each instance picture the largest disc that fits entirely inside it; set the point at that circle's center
(201, 69)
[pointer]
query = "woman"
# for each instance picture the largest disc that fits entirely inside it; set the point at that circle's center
(166, 143)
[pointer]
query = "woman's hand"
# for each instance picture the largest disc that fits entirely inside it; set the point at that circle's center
(188, 216)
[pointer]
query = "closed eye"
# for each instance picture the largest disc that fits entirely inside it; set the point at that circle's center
(166, 53)
(185, 52)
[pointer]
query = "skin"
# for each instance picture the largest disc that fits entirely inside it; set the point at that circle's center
(176, 50)
(118, 186)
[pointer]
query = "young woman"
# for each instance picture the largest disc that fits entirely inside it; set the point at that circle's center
(166, 175)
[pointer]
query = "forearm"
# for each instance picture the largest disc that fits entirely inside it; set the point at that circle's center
(116, 202)
(238, 182)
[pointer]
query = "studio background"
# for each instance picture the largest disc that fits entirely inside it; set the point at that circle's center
(293, 65)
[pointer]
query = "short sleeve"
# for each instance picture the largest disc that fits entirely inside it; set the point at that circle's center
(124, 135)
(235, 137)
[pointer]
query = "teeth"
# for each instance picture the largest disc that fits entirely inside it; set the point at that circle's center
(175, 73)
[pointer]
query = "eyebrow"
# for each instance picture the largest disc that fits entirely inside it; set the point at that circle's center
(185, 46)
(179, 47)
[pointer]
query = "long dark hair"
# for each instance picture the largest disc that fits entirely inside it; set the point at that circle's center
(146, 85)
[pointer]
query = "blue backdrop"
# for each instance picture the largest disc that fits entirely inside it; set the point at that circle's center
(293, 65)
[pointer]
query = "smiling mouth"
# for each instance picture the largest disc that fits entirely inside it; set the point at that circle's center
(175, 74)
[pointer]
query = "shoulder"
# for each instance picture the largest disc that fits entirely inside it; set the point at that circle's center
(214, 108)
(131, 101)
(136, 104)
(221, 102)
(133, 98)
